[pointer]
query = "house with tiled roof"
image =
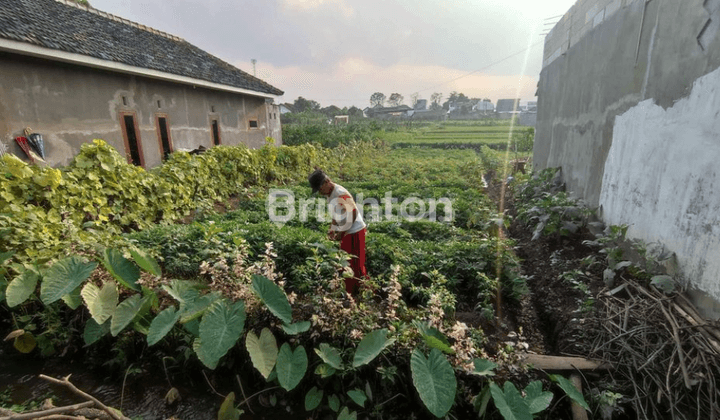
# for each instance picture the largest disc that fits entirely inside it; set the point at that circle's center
(73, 73)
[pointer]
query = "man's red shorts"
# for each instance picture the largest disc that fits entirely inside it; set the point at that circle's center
(354, 244)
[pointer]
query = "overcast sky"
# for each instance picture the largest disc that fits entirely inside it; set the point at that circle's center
(338, 52)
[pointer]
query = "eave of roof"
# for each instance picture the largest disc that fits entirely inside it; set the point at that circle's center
(23, 48)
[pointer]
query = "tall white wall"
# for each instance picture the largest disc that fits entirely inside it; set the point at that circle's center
(662, 178)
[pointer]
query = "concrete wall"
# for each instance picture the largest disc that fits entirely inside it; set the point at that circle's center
(629, 112)
(71, 105)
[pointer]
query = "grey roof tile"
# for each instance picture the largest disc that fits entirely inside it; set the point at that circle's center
(54, 25)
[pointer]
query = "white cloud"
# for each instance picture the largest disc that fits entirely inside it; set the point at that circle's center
(310, 5)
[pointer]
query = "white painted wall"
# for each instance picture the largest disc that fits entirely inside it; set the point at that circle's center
(662, 178)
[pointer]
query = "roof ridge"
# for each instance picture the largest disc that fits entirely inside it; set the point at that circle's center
(110, 16)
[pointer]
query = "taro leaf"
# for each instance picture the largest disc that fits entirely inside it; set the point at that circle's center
(220, 328)
(14, 334)
(195, 308)
(622, 264)
(73, 299)
(368, 391)
(296, 328)
(481, 401)
(94, 331)
(4, 256)
(263, 351)
(371, 346)
(125, 313)
(193, 327)
(324, 370)
(20, 289)
(3, 286)
(358, 396)
(536, 399)
(122, 269)
(227, 409)
(313, 398)
(100, 302)
(291, 366)
(509, 402)
(434, 380)
(570, 390)
(146, 262)
(162, 324)
(434, 338)
(330, 355)
(25, 343)
(346, 414)
(183, 291)
(663, 283)
(273, 297)
(63, 277)
(484, 367)
(334, 403)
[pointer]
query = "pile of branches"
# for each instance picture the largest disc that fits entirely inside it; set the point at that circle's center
(662, 349)
(92, 408)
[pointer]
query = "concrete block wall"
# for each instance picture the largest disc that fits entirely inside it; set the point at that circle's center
(583, 16)
(631, 112)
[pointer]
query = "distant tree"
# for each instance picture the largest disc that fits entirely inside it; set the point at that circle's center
(414, 98)
(377, 99)
(301, 105)
(456, 98)
(396, 99)
(331, 111)
(355, 112)
(435, 98)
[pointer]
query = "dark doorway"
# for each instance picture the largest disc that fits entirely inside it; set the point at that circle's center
(132, 140)
(216, 132)
(164, 136)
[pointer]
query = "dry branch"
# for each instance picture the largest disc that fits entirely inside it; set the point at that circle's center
(66, 382)
(43, 413)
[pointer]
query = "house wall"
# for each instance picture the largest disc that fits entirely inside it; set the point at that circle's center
(71, 105)
(629, 111)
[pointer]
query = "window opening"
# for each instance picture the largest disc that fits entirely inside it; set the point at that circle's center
(166, 146)
(124, 98)
(215, 132)
(159, 104)
(253, 124)
(132, 142)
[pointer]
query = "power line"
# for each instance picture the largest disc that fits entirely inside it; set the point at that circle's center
(484, 68)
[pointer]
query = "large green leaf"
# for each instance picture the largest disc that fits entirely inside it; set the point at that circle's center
(509, 402)
(227, 409)
(324, 370)
(296, 328)
(125, 313)
(146, 262)
(536, 399)
(63, 277)
(358, 396)
(94, 331)
(313, 398)
(570, 390)
(334, 403)
(20, 289)
(291, 366)
(100, 302)
(263, 351)
(182, 290)
(434, 338)
(122, 269)
(434, 380)
(161, 325)
(484, 367)
(73, 299)
(193, 309)
(25, 343)
(330, 355)
(220, 328)
(346, 414)
(274, 298)
(3, 286)
(4, 256)
(371, 346)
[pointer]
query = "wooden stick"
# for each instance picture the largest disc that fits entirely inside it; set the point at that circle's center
(50, 411)
(578, 413)
(681, 355)
(539, 361)
(66, 381)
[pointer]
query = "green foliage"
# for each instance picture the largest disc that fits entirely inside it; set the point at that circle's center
(63, 277)
(484, 367)
(273, 297)
(125, 313)
(313, 398)
(162, 324)
(434, 380)
(101, 302)
(263, 351)
(371, 346)
(570, 390)
(20, 289)
(220, 329)
(330, 355)
(291, 366)
(228, 411)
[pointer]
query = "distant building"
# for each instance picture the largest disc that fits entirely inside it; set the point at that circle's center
(483, 106)
(420, 105)
(286, 108)
(389, 112)
(507, 105)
